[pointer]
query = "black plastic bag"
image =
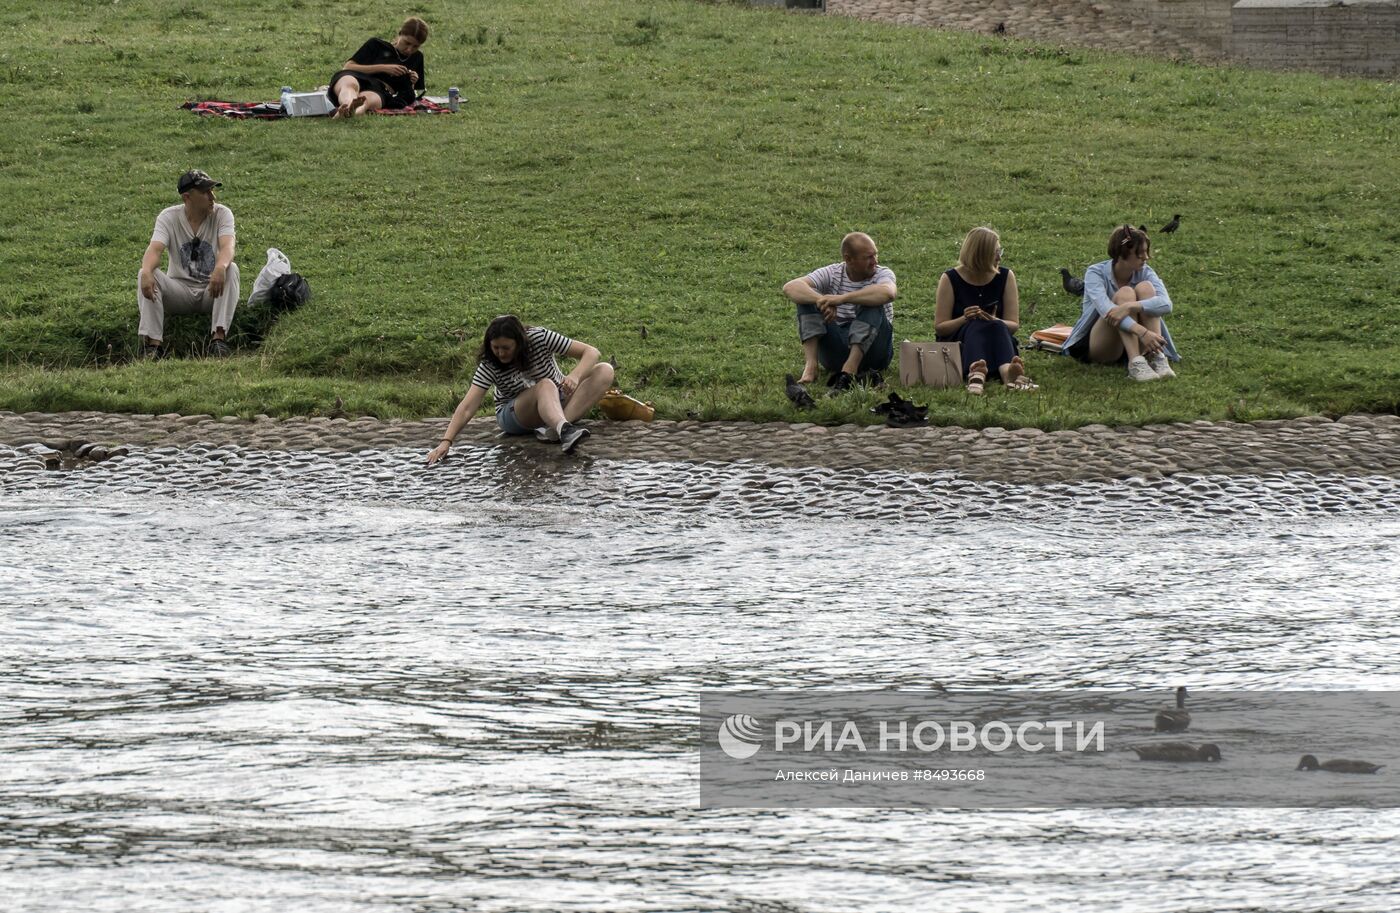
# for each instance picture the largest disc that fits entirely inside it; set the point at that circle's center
(289, 292)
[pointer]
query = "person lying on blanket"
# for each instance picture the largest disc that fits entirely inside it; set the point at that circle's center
(381, 74)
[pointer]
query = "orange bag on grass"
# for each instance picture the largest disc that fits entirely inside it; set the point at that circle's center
(1050, 339)
(620, 407)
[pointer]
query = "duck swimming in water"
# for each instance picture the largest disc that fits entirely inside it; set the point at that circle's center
(1178, 751)
(1309, 762)
(1177, 720)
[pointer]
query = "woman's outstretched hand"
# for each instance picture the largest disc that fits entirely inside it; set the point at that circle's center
(438, 452)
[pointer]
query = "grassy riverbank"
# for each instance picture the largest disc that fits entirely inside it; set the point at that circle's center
(671, 164)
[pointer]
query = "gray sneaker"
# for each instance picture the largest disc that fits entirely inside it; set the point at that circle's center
(1161, 367)
(1140, 371)
(546, 435)
(570, 436)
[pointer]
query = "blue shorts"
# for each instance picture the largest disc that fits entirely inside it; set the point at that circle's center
(508, 423)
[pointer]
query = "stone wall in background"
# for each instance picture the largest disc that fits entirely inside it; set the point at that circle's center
(1356, 37)
(1207, 21)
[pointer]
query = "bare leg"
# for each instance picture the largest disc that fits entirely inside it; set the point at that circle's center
(366, 103)
(591, 389)
(1141, 292)
(538, 407)
(852, 365)
(809, 365)
(1107, 343)
(345, 91)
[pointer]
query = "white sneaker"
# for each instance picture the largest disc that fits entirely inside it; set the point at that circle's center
(1140, 371)
(1161, 366)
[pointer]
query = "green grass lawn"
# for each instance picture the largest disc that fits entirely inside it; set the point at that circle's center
(671, 164)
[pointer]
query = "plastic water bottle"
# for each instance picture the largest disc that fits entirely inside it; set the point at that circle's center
(287, 100)
(454, 99)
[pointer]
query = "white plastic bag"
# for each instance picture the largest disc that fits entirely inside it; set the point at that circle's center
(277, 265)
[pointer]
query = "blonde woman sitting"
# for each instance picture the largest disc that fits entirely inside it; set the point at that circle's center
(979, 306)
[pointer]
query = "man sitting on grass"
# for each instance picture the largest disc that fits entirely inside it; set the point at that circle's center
(203, 279)
(845, 316)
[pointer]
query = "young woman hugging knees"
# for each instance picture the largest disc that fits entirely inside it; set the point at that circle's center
(1124, 303)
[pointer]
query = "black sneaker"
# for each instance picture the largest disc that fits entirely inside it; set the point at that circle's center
(871, 379)
(840, 382)
(218, 348)
(570, 436)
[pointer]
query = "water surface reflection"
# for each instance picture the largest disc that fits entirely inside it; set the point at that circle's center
(338, 682)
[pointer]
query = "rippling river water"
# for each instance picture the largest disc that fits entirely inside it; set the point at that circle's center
(339, 682)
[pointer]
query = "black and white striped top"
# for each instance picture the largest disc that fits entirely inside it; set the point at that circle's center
(832, 280)
(542, 345)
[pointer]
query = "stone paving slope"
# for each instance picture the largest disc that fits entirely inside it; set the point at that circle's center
(1076, 23)
(1353, 445)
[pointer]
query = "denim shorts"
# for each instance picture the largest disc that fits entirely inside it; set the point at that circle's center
(508, 423)
(506, 420)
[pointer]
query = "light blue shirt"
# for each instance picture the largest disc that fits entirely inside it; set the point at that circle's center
(1099, 289)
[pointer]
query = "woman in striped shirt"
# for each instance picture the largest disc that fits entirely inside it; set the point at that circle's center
(532, 394)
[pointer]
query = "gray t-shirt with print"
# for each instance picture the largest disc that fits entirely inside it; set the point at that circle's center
(192, 252)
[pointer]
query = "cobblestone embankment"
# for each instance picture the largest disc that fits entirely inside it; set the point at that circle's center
(1076, 23)
(1352, 445)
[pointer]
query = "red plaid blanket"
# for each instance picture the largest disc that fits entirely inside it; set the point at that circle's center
(272, 110)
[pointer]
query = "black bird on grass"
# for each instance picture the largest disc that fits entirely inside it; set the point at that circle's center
(798, 394)
(1173, 225)
(1072, 284)
(1000, 29)
(644, 331)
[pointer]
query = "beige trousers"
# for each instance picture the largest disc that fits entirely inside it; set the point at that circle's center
(175, 297)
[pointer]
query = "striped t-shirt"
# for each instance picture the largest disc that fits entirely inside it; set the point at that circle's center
(541, 347)
(832, 280)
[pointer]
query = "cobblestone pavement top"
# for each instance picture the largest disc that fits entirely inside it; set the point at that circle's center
(1076, 23)
(1352, 445)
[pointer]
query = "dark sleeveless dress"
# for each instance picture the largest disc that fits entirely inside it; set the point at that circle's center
(981, 339)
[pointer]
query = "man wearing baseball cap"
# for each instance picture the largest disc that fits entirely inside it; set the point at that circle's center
(202, 277)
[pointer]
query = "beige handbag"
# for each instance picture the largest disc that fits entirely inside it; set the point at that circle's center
(930, 364)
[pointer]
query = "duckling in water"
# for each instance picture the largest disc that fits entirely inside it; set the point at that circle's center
(1178, 751)
(1177, 720)
(1309, 762)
